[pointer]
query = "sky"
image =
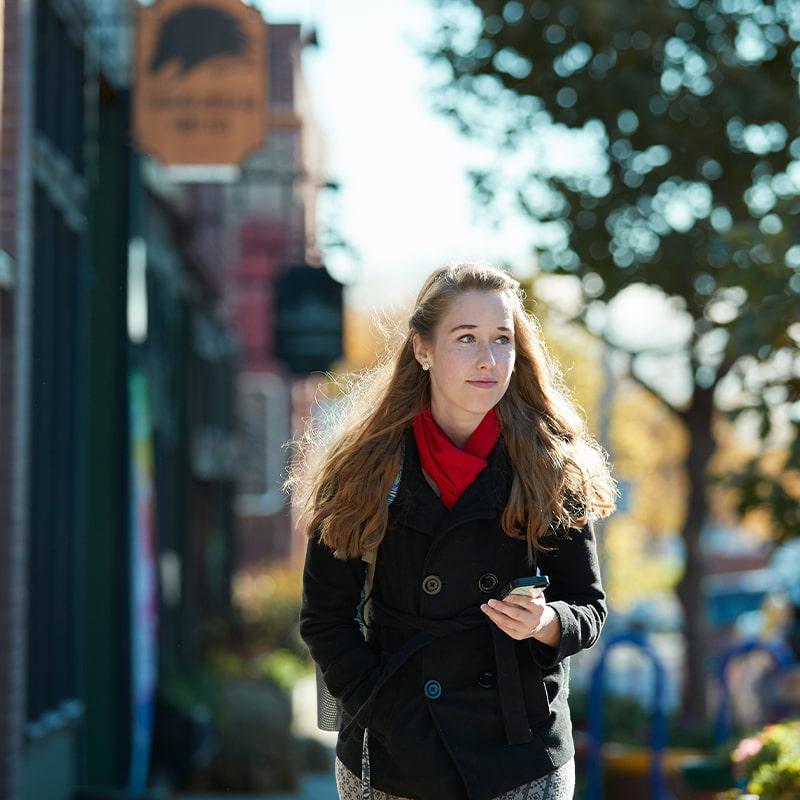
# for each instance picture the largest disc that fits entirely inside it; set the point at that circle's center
(405, 202)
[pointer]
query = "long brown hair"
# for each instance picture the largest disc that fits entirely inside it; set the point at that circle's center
(346, 460)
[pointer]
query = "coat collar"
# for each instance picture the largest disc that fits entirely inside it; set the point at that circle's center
(419, 507)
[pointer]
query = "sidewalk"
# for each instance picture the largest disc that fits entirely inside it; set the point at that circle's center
(314, 787)
(304, 723)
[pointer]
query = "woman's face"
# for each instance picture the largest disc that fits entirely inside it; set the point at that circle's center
(473, 342)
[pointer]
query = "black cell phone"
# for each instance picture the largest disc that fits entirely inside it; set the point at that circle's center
(530, 587)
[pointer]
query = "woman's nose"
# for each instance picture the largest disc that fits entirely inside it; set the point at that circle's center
(486, 356)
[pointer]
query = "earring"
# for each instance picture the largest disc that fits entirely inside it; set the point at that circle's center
(425, 365)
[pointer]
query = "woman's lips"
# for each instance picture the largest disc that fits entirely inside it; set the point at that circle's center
(483, 384)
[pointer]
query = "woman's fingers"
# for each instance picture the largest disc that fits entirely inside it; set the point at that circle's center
(525, 601)
(519, 608)
(505, 623)
(509, 609)
(516, 619)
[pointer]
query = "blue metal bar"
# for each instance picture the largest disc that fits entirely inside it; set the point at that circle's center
(780, 653)
(658, 726)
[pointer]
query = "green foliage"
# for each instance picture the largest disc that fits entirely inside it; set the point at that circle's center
(191, 689)
(282, 667)
(260, 640)
(277, 628)
(627, 721)
(268, 610)
(658, 89)
(769, 761)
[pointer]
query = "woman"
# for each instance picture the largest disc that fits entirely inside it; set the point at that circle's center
(454, 694)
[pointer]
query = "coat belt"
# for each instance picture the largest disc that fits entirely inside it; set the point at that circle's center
(509, 683)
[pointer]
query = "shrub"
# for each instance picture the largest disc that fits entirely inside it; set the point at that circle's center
(268, 609)
(768, 762)
(627, 721)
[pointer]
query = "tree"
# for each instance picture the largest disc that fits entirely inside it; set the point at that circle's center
(683, 175)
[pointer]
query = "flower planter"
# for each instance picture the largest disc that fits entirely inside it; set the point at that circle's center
(627, 772)
(708, 776)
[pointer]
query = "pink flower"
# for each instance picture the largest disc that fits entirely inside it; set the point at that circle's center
(747, 748)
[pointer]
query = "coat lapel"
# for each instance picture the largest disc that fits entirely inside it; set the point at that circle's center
(419, 507)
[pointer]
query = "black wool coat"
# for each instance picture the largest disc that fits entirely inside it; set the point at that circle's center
(456, 708)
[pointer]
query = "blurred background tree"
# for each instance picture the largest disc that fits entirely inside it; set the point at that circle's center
(681, 175)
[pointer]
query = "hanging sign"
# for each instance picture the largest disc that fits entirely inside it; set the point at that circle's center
(308, 319)
(200, 82)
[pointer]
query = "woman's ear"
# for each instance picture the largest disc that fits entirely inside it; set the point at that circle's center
(420, 351)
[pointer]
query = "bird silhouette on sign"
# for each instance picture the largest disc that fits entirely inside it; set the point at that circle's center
(197, 34)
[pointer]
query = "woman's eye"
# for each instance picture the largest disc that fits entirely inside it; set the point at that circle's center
(472, 337)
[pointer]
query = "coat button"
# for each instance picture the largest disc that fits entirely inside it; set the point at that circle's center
(486, 680)
(487, 582)
(432, 584)
(433, 690)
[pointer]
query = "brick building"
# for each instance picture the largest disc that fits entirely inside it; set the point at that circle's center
(273, 211)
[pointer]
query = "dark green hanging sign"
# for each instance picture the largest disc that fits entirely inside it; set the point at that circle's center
(308, 319)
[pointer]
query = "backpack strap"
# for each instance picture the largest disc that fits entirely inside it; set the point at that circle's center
(370, 557)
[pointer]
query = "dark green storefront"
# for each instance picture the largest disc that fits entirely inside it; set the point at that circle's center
(90, 203)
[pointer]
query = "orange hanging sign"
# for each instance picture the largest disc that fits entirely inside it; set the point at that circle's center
(200, 83)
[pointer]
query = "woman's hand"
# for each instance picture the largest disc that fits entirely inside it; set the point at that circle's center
(523, 617)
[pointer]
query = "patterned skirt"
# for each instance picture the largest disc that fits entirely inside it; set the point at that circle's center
(556, 785)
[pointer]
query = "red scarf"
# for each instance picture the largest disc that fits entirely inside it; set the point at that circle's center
(450, 468)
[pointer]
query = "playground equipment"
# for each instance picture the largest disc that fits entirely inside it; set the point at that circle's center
(781, 655)
(658, 727)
